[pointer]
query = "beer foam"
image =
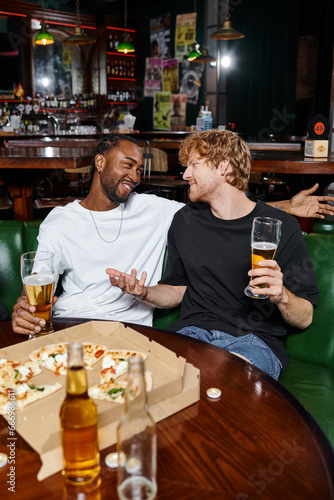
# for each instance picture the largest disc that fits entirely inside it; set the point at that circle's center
(264, 245)
(38, 279)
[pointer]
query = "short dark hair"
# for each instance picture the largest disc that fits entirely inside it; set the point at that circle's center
(108, 144)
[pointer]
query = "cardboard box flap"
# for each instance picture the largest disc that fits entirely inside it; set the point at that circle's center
(38, 423)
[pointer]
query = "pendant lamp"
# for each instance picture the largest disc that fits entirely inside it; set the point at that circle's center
(226, 31)
(205, 56)
(43, 37)
(126, 46)
(79, 37)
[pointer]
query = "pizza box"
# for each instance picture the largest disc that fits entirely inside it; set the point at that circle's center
(175, 386)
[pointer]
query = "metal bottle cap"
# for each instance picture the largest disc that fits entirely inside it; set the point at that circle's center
(213, 393)
(3, 459)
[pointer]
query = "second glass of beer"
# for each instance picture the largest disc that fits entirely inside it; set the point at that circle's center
(265, 237)
(38, 277)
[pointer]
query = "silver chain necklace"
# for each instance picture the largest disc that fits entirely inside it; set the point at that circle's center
(97, 229)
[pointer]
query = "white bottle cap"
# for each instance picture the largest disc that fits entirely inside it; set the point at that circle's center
(213, 393)
(3, 459)
(111, 459)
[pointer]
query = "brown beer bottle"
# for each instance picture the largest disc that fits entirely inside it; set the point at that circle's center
(78, 420)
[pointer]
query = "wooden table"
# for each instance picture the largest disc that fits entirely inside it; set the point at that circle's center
(255, 442)
(21, 168)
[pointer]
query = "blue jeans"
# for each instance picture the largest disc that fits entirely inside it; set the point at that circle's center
(250, 346)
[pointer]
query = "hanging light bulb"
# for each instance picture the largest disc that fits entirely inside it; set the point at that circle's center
(126, 46)
(226, 31)
(43, 37)
(79, 37)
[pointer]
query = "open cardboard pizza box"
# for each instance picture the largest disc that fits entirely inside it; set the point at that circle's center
(175, 386)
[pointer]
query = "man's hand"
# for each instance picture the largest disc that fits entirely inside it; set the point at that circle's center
(129, 283)
(23, 319)
(268, 273)
(305, 205)
(295, 311)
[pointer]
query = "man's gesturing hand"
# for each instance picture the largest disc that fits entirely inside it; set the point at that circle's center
(129, 283)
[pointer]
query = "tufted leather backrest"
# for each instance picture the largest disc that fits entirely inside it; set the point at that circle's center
(316, 343)
(11, 248)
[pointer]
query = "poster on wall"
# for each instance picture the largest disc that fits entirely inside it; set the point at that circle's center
(191, 80)
(160, 36)
(170, 75)
(153, 75)
(185, 34)
(162, 111)
(178, 111)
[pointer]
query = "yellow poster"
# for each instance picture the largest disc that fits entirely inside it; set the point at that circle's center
(185, 34)
(161, 111)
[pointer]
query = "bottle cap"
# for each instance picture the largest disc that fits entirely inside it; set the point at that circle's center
(213, 393)
(111, 459)
(3, 459)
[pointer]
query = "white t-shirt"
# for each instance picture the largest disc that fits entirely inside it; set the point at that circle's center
(82, 257)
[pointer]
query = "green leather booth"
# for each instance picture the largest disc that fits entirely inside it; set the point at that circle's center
(310, 373)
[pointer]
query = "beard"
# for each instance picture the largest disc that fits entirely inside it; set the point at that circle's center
(111, 190)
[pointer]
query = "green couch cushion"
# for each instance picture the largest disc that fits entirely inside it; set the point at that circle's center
(323, 226)
(11, 248)
(31, 229)
(313, 386)
(316, 343)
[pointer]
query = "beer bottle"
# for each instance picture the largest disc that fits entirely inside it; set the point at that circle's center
(136, 440)
(78, 420)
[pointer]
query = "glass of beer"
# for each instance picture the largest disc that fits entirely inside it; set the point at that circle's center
(38, 277)
(265, 237)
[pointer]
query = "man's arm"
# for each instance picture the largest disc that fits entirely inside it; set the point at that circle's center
(161, 296)
(305, 205)
(296, 311)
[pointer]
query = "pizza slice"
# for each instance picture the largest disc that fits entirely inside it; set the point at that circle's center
(13, 373)
(115, 391)
(54, 357)
(22, 395)
(115, 364)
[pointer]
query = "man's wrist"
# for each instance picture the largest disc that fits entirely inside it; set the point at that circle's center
(143, 296)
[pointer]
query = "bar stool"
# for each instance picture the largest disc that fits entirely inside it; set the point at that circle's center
(275, 187)
(6, 204)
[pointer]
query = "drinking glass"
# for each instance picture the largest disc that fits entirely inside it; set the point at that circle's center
(38, 278)
(265, 236)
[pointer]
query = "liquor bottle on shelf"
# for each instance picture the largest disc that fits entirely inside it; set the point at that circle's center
(110, 43)
(132, 72)
(78, 420)
(108, 68)
(116, 67)
(136, 440)
(116, 42)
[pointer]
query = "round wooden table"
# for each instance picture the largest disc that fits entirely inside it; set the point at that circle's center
(254, 442)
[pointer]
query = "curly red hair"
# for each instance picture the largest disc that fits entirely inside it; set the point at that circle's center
(216, 146)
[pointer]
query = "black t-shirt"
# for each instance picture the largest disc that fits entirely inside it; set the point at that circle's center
(212, 257)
